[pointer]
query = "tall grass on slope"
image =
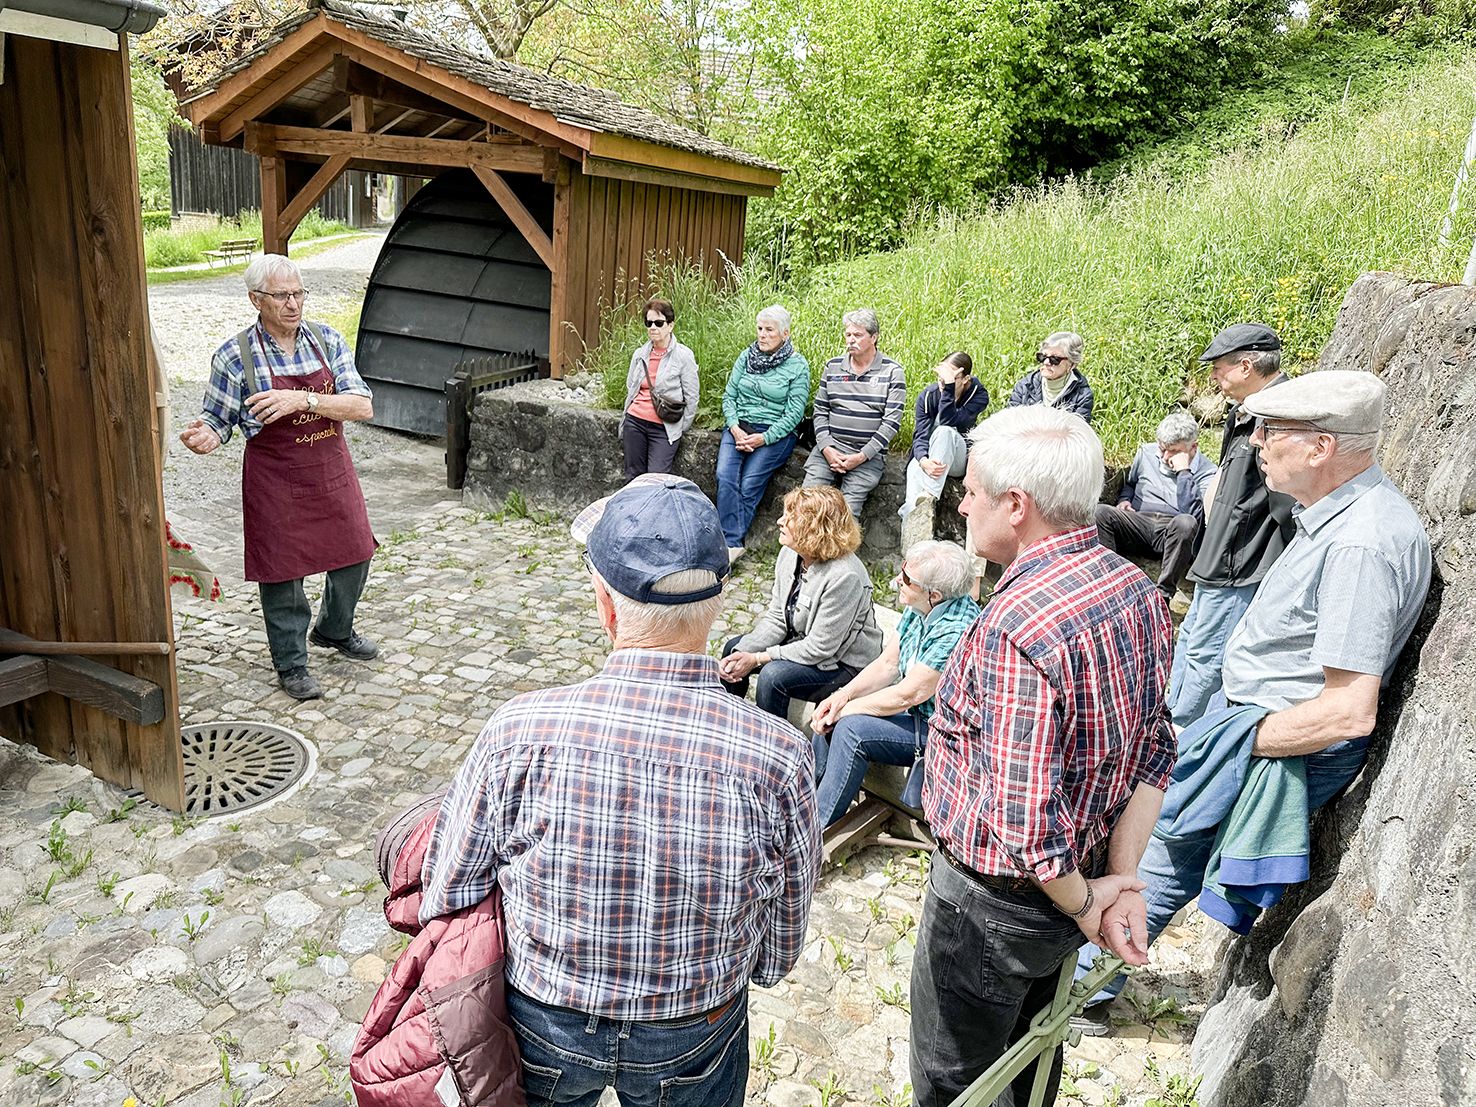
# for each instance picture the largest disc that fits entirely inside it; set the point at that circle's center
(1146, 269)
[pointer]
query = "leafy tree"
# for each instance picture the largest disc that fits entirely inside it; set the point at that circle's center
(153, 112)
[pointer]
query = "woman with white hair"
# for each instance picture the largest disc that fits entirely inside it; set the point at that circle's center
(762, 405)
(1057, 381)
(882, 715)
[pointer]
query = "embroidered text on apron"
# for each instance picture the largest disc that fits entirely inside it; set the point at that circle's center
(301, 504)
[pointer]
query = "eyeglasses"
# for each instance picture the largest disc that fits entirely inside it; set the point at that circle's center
(587, 562)
(1266, 430)
(1049, 359)
(299, 295)
(655, 322)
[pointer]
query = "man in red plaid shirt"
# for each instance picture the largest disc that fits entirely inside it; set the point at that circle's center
(1049, 752)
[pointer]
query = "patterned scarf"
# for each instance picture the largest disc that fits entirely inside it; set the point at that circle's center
(760, 362)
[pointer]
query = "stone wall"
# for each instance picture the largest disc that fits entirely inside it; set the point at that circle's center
(561, 454)
(1358, 990)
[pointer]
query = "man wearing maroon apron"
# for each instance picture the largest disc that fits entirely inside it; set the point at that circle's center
(289, 384)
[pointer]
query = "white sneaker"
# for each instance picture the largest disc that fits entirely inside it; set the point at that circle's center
(735, 552)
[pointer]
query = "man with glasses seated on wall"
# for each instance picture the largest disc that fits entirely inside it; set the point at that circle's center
(1057, 381)
(288, 384)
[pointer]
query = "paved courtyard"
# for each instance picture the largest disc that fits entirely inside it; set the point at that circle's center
(229, 961)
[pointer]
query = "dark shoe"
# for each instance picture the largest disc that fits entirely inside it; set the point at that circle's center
(1093, 1022)
(299, 684)
(355, 645)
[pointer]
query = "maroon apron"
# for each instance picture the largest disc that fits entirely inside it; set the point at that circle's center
(301, 503)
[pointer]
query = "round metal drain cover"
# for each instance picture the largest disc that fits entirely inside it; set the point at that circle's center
(231, 767)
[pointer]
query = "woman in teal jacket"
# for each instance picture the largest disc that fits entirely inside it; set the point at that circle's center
(762, 405)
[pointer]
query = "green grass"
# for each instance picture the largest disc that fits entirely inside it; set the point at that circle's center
(164, 248)
(299, 251)
(1146, 267)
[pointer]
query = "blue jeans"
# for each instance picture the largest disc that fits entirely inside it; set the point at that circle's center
(1200, 651)
(781, 681)
(1175, 871)
(742, 479)
(570, 1058)
(856, 741)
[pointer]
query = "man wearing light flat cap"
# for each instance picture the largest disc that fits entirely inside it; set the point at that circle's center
(655, 838)
(1247, 525)
(1303, 669)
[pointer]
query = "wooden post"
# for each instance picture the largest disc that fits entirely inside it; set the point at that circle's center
(558, 300)
(273, 196)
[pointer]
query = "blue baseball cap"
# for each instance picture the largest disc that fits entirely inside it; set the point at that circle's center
(655, 526)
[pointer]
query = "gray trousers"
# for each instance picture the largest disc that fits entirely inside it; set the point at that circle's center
(855, 486)
(287, 612)
(946, 445)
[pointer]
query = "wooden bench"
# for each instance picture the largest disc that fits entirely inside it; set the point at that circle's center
(231, 249)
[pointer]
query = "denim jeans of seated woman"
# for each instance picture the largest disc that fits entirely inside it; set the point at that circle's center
(855, 742)
(569, 1058)
(743, 477)
(1175, 871)
(781, 681)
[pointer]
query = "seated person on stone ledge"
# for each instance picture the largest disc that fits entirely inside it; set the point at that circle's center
(819, 630)
(1303, 668)
(1058, 381)
(883, 714)
(946, 411)
(762, 405)
(1160, 509)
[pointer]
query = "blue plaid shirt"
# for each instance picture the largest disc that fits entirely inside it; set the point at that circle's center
(655, 839)
(225, 395)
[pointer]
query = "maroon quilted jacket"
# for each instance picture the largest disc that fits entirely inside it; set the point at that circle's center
(437, 1033)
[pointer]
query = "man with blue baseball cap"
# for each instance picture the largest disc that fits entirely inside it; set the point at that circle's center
(655, 838)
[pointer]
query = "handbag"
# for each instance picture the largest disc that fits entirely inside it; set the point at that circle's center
(666, 411)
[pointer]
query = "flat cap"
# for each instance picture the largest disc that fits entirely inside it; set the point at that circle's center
(1345, 401)
(1241, 336)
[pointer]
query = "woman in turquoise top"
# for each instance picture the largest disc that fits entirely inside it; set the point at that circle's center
(763, 403)
(882, 714)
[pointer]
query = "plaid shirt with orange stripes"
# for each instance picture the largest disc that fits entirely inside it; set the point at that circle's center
(655, 839)
(1051, 711)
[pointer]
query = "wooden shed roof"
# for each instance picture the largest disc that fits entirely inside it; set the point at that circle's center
(591, 122)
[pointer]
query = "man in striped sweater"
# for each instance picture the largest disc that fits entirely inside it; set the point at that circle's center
(858, 409)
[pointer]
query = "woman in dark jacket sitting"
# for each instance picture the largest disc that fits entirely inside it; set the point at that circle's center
(1058, 382)
(946, 411)
(820, 627)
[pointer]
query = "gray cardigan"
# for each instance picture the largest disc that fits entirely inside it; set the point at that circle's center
(676, 380)
(834, 621)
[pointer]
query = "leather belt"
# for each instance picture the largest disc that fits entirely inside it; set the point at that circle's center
(1090, 866)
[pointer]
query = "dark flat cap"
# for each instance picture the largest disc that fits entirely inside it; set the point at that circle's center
(1242, 336)
(1345, 401)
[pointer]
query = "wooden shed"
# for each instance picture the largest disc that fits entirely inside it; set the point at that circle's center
(596, 187)
(87, 668)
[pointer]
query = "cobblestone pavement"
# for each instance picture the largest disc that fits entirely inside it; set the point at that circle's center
(230, 961)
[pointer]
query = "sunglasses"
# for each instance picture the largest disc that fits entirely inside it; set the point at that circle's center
(655, 322)
(1049, 359)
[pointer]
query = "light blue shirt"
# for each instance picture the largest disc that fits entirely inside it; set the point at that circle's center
(1345, 594)
(929, 639)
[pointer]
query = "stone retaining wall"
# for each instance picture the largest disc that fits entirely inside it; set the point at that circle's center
(561, 454)
(1358, 990)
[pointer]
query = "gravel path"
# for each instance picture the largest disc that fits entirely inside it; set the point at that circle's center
(400, 473)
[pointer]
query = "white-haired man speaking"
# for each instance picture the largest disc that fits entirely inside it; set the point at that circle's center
(1048, 754)
(288, 384)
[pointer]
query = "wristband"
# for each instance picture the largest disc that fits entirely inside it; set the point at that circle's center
(1085, 907)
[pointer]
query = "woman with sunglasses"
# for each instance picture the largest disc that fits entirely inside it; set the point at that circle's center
(946, 411)
(1057, 381)
(882, 715)
(660, 395)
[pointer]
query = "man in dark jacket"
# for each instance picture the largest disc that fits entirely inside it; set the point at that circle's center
(1058, 382)
(1247, 528)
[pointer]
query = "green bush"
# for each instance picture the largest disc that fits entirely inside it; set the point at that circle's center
(1146, 268)
(156, 220)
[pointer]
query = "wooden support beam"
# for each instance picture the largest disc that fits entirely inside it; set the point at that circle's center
(395, 122)
(359, 80)
(310, 194)
(122, 694)
(21, 678)
(84, 649)
(522, 218)
(291, 79)
(361, 113)
(273, 195)
(558, 337)
(508, 155)
(654, 175)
